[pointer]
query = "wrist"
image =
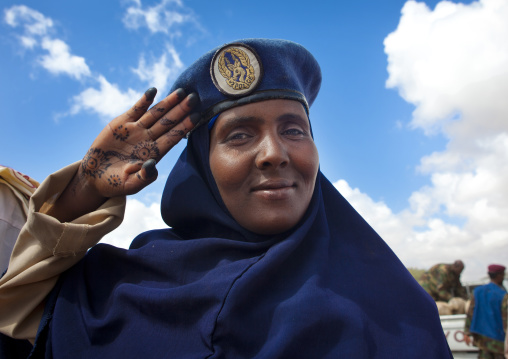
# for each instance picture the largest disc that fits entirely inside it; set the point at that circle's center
(78, 198)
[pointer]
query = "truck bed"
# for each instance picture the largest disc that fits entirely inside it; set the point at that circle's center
(453, 327)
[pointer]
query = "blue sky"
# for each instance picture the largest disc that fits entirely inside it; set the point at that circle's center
(409, 121)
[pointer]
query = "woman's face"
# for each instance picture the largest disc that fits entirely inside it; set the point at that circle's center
(265, 164)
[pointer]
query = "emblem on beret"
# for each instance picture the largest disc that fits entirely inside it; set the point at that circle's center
(236, 70)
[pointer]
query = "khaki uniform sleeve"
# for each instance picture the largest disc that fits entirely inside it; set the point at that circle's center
(46, 248)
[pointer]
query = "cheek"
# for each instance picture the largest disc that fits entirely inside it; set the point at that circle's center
(306, 161)
(229, 170)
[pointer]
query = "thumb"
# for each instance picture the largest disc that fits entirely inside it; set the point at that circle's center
(148, 172)
(136, 181)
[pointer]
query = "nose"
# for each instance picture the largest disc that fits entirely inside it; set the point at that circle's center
(272, 153)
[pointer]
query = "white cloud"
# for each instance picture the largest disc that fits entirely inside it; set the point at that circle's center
(387, 224)
(33, 22)
(108, 101)
(451, 63)
(59, 60)
(28, 42)
(57, 57)
(162, 71)
(422, 240)
(452, 60)
(164, 17)
(138, 218)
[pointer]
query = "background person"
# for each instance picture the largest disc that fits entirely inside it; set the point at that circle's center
(487, 315)
(15, 191)
(506, 341)
(442, 281)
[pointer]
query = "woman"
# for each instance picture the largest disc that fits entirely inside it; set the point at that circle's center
(264, 258)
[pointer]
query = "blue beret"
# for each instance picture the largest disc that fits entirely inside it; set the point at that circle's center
(251, 70)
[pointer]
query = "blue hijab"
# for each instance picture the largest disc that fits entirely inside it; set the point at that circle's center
(208, 288)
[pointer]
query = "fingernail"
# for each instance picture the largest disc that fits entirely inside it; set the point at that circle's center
(195, 118)
(149, 167)
(180, 93)
(150, 93)
(193, 99)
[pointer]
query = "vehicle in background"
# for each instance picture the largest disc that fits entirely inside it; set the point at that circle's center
(453, 327)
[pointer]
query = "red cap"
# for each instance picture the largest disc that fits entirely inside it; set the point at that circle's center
(496, 268)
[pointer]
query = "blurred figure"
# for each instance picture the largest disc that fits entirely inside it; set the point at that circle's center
(15, 191)
(506, 341)
(487, 315)
(442, 281)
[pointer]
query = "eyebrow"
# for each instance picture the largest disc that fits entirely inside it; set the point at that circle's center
(294, 117)
(238, 121)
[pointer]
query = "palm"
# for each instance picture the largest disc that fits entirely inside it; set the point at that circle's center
(113, 164)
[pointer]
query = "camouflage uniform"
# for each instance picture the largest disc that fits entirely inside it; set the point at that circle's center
(442, 283)
(489, 348)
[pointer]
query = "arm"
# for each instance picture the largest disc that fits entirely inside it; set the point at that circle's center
(74, 208)
(443, 284)
(121, 160)
(469, 318)
(504, 312)
(44, 249)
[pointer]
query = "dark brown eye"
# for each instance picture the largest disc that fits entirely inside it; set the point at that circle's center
(238, 136)
(294, 132)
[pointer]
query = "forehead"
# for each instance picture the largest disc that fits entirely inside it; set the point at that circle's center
(265, 109)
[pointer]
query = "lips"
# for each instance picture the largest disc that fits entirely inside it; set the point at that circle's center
(271, 185)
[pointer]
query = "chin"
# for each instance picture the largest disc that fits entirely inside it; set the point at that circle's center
(272, 227)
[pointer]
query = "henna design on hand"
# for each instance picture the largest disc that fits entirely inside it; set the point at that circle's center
(153, 111)
(141, 108)
(96, 162)
(144, 151)
(121, 133)
(114, 180)
(167, 122)
(174, 132)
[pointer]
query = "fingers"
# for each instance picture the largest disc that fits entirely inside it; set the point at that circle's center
(170, 120)
(139, 109)
(173, 100)
(141, 178)
(150, 94)
(173, 136)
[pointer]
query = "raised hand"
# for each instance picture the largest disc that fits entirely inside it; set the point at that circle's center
(113, 164)
(122, 158)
